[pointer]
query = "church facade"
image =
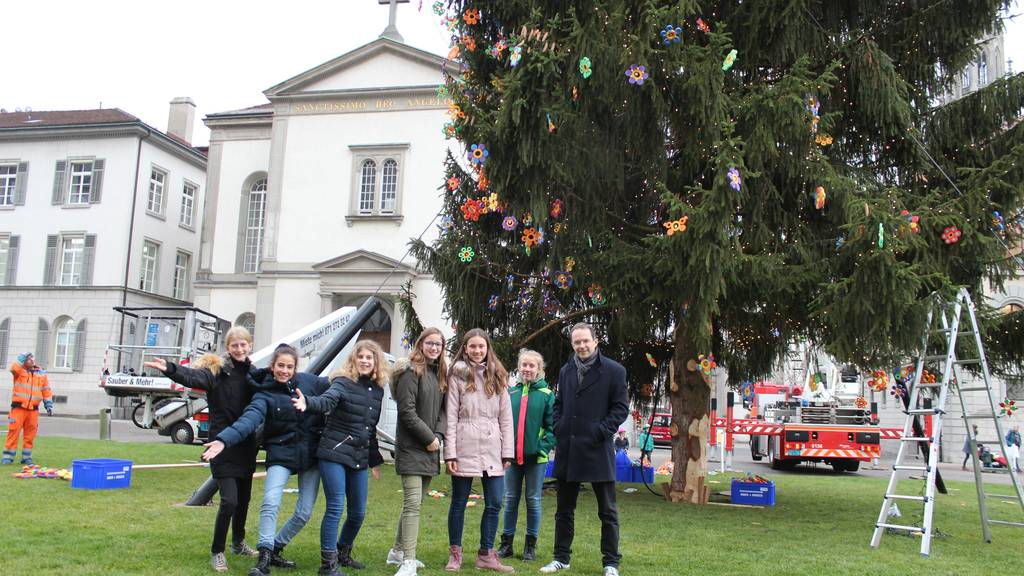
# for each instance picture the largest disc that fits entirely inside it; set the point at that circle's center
(313, 197)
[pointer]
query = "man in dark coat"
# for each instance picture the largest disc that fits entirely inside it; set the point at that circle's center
(590, 404)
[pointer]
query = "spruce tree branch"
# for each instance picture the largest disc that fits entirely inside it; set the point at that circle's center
(556, 322)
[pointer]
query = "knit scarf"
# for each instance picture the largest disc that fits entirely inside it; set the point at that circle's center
(583, 366)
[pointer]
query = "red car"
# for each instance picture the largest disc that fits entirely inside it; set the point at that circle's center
(661, 428)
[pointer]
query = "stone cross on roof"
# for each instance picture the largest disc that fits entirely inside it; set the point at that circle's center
(391, 32)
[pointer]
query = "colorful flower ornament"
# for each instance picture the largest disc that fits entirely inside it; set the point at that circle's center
(637, 74)
(524, 298)
(819, 197)
(912, 220)
(531, 238)
(496, 50)
(563, 280)
(550, 305)
(596, 295)
(671, 34)
(466, 254)
(898, 390)
(471, 16)
(747, 391)
(702, 26)
(438, 8)
(997, 222)
(490, 203)
(651, 360)
(450, 130)
(551, 125)
(555, 209)
(881, 235)
(451, 23)
(509, 223)
(442, 92)
(454, 52)
(879, 381)
(707, 364)
(516, 55)
(472, 209)
(406, 342)
(861, 402)
(735, 182)
(673, 226)
(478, 154)
(585, 69)
(730, 59)
(1007, 407)
(528, 219)
(454, 182)
(822, 140)
(951, 235)
(492, 302)
(469, 42)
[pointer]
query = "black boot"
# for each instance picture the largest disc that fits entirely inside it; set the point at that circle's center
(262, 567)
(345, 558)
(530, 550)
(505, 550)
(329, 563)
(276, 559)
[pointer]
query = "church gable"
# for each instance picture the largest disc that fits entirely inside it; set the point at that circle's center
(381, 64)
(362, 261)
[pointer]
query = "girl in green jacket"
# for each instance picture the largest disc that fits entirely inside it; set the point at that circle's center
(532, 407)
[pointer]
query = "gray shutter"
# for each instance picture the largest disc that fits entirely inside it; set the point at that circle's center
(42, 352)
(97, 181)
(22, 183)
(5, 340)
(58, 182)
(50, 266)
(11, 274)
(88, 259)
(79, 360)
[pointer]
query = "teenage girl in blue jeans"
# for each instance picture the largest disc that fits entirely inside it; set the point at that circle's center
(290, 438)
(348, 449)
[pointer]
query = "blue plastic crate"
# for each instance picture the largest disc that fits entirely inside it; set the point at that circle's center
(753, 493)
(638, 474)
(101, 474)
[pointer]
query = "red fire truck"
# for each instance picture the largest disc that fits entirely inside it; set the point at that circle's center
(788, 430)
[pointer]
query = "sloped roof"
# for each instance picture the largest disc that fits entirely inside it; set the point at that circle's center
(64, 118)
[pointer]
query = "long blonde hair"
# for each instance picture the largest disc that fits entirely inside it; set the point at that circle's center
(349, 370)
(418, 359)
(527, 353)
(495, 375)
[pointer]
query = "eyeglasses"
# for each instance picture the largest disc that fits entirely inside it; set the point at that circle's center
(433, 344)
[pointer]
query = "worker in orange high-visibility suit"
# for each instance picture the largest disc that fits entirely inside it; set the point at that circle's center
(31, 387)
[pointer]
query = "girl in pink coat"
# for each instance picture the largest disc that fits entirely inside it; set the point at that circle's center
(479, 443)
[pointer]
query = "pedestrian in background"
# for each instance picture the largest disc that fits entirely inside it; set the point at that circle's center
(646, 446)
(31, 387)
(1013, 448)
(621, 442)
(967, 447)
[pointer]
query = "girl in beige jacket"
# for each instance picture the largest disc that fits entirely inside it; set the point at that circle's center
(479, 443)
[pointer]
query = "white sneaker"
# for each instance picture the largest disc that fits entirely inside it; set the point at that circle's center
(395, 557)
(611, 571)
(555, 566)
(218, 562)
(408, 568)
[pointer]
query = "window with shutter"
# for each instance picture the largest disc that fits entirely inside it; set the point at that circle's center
(42, 351)
(72, 260)
(8, 261)
(5, 340)
(188, 204)
(8, 184)
(80, 192)
(58, 182)
(88, 259)
(64, 343)
(147, 273)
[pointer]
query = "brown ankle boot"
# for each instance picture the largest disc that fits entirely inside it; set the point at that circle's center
(454, 559)
(489, 561)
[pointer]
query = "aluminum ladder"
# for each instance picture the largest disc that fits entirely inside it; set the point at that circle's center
(944, 322)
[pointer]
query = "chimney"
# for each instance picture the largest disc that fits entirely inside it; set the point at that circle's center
(181, 117)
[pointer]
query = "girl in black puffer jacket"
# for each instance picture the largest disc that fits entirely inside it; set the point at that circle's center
(348, 448)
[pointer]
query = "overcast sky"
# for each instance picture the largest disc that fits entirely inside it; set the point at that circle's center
(137, 55)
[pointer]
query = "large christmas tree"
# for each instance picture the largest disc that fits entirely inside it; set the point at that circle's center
(721, 178)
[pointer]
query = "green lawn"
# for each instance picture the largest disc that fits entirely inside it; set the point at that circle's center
(821, 525)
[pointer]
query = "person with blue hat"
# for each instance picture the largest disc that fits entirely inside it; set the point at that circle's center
(31, 387)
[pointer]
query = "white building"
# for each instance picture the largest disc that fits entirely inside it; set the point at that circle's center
(97, 209)
(314, 196)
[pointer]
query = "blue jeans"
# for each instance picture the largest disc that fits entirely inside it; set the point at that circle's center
(514, 475)
(273, 487)
(494, 489)
(342, 484)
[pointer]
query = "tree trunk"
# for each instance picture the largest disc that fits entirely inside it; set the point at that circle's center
(690, 397)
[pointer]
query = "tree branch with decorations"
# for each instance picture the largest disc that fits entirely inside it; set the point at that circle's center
(709, 182)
